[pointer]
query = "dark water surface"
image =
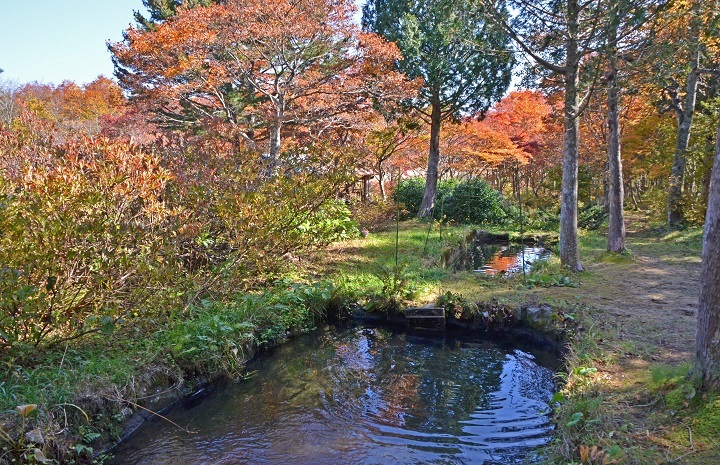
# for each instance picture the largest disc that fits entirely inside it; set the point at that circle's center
(365, 396)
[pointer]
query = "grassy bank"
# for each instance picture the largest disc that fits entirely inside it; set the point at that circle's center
(64, 404)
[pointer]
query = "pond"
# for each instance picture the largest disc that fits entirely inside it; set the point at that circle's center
(365, 396)
(500, 258)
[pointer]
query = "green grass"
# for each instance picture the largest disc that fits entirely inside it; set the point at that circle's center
(359, 265)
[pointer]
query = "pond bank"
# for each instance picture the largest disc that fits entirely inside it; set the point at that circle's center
(363, 393)
(539, 326)
(625, 397)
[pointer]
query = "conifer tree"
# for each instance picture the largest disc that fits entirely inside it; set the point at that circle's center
(461, 55)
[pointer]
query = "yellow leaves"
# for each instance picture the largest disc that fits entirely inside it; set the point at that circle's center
(25, 410)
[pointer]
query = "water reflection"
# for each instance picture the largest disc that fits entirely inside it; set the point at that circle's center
(364, 396)
(500, 259)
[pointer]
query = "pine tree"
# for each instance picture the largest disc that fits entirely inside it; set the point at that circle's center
(162, 10)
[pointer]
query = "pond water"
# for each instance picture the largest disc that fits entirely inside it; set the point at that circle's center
(500, 258)
(365, 396)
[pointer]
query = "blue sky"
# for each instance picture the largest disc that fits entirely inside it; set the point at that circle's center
(50, 41)
(53, 40)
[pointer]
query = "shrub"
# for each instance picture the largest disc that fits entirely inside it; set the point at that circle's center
(473, 201)
(83, 238)
(331, 222)
(95, 232)
(543, 218)
(409, 193)
(373, 216)
(591, 217)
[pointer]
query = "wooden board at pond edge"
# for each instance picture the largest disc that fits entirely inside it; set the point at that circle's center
(425, 318)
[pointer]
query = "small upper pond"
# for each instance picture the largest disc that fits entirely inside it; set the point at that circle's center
(365, 396)
(499, 258)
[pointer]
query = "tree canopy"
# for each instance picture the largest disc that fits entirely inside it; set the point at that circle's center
(301, 64)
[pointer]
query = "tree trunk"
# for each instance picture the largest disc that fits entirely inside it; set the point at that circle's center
(381, 183)
(275, 138)
(707, 342)
(428, 201)
(275, 144)
(708, 163)
(685, 118)
(569, 250)
(616, 230)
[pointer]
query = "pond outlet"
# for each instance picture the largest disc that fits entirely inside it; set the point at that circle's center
(432, 318)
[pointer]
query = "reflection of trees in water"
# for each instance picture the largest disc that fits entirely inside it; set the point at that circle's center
(396, 380)
(370, 393)
(498, 258)
(433, 387)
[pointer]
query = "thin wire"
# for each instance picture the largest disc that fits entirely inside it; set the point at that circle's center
(397, 225)
(522, 220)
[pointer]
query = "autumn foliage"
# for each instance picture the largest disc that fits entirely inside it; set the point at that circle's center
(98, 231)
(229, 147)
(297, 69)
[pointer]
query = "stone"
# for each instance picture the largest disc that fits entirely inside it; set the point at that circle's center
(535, 314)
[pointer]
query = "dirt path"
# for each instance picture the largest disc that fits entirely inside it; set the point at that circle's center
(646, 313)
(651, 301)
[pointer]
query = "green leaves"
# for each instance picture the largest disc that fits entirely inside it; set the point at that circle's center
(451, 45)
(575, 419)
(586, 371)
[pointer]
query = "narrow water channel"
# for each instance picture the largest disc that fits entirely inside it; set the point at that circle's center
(365, 396)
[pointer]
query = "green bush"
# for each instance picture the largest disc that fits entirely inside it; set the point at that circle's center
(409, 193)
(473, 201)
(591, 217)
(468, 201)
(543, 218)
(331, 222)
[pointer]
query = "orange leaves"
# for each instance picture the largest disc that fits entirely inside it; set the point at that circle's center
(490, 145)
(523, 117)
(514, 131)
(595, 456)
(116, 170)
(262, 65)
